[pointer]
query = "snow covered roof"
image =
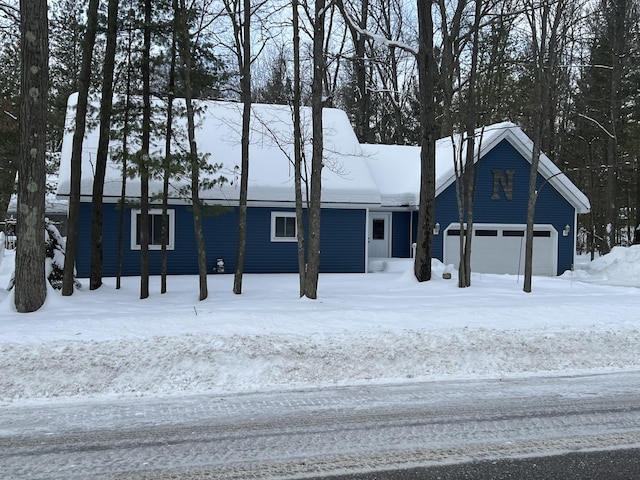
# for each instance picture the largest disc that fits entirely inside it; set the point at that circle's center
(353, 174)
(397, 168)
(346, 178)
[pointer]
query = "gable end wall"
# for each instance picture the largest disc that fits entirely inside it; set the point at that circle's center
(551, 207)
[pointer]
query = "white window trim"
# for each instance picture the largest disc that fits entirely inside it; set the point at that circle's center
(154, 211)
(275, 215)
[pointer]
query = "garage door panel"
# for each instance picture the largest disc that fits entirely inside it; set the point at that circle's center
(501, 248)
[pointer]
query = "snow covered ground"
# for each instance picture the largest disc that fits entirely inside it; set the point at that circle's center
(378, 327)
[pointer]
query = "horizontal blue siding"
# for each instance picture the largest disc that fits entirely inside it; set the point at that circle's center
(342, 242)
(402, 237)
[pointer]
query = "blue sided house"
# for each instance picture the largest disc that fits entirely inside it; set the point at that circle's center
(503, 161)
(369, 199)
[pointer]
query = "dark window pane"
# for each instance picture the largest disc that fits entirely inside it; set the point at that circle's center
(280, 226)
(378, 229)
(285, 227)
(454, 232)
(486, 233)
(513, 233)
(290, 226)
(155, 226)
(541, 233)
(138, 229)
(155, 229)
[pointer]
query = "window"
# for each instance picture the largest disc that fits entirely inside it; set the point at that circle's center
(155, 229)
(283, 227)
(378, 228)
(513, 233)
(486, 233)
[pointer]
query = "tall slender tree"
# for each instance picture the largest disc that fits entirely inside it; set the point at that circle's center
(144, 157)
(317, 104)
(127, 113)
(425, 57)
(167, 162)
(30, 281)
(84, 82)
(470, 123)
(426, 74)
(297, 150)
(361, 92)
(68, 27)
(544, 19)
(184, 45)
(106, 107)
(241, 20)
(619, 8)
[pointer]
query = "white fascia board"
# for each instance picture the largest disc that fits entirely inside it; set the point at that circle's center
(524, 145)
(234, 203)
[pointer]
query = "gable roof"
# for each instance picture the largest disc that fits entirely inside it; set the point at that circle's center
(397, 168)
(353, 174)
(346, 178)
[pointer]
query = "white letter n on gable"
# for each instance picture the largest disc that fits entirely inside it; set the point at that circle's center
(500, 180)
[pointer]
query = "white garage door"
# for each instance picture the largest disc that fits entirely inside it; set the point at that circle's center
(500, 248)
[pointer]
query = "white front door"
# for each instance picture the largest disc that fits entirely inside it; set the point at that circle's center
(380, 234)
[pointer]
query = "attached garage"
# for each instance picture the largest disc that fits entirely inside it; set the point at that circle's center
(500, 248)
(502, 171)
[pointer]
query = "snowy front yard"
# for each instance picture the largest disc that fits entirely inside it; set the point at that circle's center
(378, 327)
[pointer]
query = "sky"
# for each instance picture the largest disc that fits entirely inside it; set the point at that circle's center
(382, 327)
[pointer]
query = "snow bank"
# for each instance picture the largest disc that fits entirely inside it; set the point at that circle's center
(377, 327)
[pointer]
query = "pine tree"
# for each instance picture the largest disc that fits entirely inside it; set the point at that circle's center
(55, 254)
(67, 33)
(30, 280)
(9, 101)
(277, 86)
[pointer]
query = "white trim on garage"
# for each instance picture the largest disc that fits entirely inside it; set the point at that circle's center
(500, 248)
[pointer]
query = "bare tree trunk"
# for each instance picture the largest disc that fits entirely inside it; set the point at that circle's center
(620, 8)
(471, 123)
(244, 63)
(362, 96)
(533, 176)
(30, 281)
(449, 74)
(185, 54)
(125, 152)
(544, 53)
(76, 149)
(144, 154)
(426, 74)
(167, 166)
(531, 206)
(106, 104)
(297, 147)
(317, 102)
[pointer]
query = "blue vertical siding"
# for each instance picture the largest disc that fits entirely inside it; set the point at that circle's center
(551, 207)
(342, 242)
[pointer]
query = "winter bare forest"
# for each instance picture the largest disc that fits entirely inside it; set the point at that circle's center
(405, 72)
